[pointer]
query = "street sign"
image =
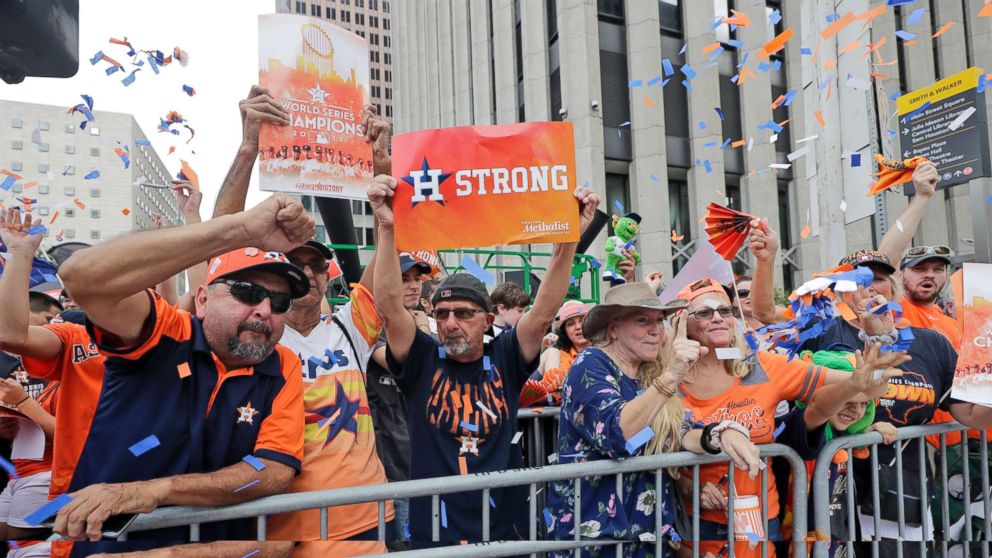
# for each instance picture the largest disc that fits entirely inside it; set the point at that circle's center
(947, 123)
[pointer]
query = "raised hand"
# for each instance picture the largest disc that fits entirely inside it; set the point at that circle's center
(278, 224)
(873, 321)
(685, 352)
(189, 198)
(588, 202)
(874, 369)
(925, 179)
(381, 198)
(14, 232)
(377, 132)
(627, 266)
(257, 108)
(763, 241)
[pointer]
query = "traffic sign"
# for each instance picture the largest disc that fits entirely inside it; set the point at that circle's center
(947, 123)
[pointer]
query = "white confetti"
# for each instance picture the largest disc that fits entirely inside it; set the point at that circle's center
(773, 138)
(806, 139)
(965, 115)
(779, 165)
(798, 153)
(843, 206)
(485, 409)
(728, 353)
(516, 437)
(899, 226)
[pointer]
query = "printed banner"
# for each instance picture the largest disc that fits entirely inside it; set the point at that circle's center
(319, 73)
(485, 186)
(973, 377)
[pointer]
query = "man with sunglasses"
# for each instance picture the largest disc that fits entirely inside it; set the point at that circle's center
(186, 398)
(924, 276)
(462, 393)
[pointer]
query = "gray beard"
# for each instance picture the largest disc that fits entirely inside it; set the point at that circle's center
(249, 352)
(456, 347)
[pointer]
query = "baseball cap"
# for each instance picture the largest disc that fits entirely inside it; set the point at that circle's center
(44, 290)
(243, 259)
(319, 247)
(919, 254)
(407, 262)
(569, 310)
(463, 286)
(869, 257)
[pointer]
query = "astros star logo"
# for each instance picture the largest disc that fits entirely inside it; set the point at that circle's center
(426, 184)
(247, 414)
(317, 95)
(470, 444)
(341, 415)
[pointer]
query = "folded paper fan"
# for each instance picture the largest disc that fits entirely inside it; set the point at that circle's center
(727, 229)
(891, 173)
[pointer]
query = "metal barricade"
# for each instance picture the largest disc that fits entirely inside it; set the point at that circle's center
(822, 494)
(533, 477)
(539, 428)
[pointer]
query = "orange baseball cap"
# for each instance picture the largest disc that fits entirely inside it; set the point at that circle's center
(244, 259)
(701, 287)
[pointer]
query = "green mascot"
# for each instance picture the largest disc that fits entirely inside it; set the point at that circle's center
(624, 234)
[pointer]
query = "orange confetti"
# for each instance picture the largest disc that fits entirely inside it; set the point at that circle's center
(805, 232)
(910, 43)
(172, 149)
(125, 211)
(676, 236)
(738, 19)
(873, 47)
(819, 118)
(830, 64)
(190, 174)
(745, 73)
(31, 184)
(79, 203)
(711, 47)
(183, 370)
(648, 101)
(943, 29)
(845, 310)
(878, 75)
(776, 44)
(986, 11)
(851, 46)
(777, 102)
(870, 15)
(737, 143)
(54, 217)
(837, 25)
(10, 174)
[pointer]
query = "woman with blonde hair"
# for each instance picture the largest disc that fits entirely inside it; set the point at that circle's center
(608, 410)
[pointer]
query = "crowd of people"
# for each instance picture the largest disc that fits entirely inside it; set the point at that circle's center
(246, 386)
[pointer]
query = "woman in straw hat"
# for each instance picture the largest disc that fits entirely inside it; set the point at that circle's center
(608, 412)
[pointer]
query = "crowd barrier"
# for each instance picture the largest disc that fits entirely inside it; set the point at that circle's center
(945, 542)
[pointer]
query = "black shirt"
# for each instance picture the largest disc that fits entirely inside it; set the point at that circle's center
(388, 407)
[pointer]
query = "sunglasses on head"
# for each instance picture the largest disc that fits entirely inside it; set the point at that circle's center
(316, 266)
(707, 313)
(917, 251)
(461, 314)
(252, 294)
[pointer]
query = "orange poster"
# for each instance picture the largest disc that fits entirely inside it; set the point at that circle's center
(973, 377)
(319, 73)
(485, 186)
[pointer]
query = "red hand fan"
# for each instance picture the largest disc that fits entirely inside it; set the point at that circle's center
(727, 229)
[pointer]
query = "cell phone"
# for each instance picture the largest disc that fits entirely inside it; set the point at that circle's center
(113, 527)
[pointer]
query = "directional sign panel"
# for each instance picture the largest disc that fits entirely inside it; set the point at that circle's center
(947, 123)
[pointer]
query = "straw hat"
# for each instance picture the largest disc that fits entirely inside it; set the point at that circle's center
(626, 296)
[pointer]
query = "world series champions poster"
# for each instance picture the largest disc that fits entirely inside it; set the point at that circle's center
(973, 377)
(319, 73)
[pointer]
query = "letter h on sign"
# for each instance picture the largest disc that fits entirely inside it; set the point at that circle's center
(427, 186)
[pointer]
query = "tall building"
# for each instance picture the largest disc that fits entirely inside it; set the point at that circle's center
(46, 147)
(674, 108)
(370, 19)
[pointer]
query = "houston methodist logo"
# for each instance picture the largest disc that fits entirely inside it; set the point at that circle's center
(427, 181)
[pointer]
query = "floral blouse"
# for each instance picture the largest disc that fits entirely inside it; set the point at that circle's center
(594, 393)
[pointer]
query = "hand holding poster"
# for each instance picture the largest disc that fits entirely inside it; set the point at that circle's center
(319, 73)
(485, 185)
(973, 377)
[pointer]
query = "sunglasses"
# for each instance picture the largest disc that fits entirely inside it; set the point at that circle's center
(917, 251)
(707, 313)
(252, 294)
(461, 314)
(316, 266)
(744, 293)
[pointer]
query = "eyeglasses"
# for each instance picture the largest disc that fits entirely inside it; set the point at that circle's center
(707, 313)
(917, 251)
(316, 266)
(744, 293)
(252, 294)
(461, 314)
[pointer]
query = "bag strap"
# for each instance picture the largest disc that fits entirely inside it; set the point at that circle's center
(354, 351)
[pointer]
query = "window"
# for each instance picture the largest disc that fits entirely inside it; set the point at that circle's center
(17, 145)
(369, 237)
(94, 131)
(360, 33)
(301, 8)
(95, 213)
(70, 212)
(359, 3)
(43, 147)
(360, 19)
(356, 207)
(70, 129)
(43, 167)
(43, 126)
(610, 10)
(70, 149)
(385, 41)
(373, 4)
(42, 211)
(388, 58)
(94, 192)
(385, 6)
(389, 110)
(374, 39)
(16, 123)
(374, 21)
(94, 151)
(389, 93)
(321, 233)
(43, 189)
(70, 233)
(17, 188)
(70, 190)
(95, 235)
(16, 166)
(307, 202)
(389, 75)
(345, 16)
(385, 23)
(331, 13)
(69, 170)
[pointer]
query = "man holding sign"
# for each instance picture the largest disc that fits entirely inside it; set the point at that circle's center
(463, 394)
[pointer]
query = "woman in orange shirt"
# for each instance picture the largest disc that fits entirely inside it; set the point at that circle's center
(556, 361)
(723, 387)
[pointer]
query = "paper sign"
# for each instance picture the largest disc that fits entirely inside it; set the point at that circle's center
(485, 185)
(973, 377)
(319, 73)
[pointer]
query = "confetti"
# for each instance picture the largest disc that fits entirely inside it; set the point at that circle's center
(798, 153)
(130, 78)
(855, 159)
(916, 16)
(47, 510)
(639, 439)
(469, 426)
(252, 483)
(899, 225)
(837, 25)
(776, 44)
(189, 90)
(9, 467)
(774, 17)
(516, 437)
(819, 118)
(485, 409)
(666, 65)
(142, 142)
(708, 166)
(92, 175)
(254, 462)
(986, 11)
(79, 203)
(905, 35)
(728, 353)
(654, 178)
(124, 154)
(473, 267)
(40, 229)
(648, 101)
(898, 2)
(960, 120)
(943, 29)
(635, 83)
(548, 518)
(806, 232)
(688, 71)
(85, 108)
(144, 445)
(702, 125)
(916, 112)
(843, 206)
(250, 554)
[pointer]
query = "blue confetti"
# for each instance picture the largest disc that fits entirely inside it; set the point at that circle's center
(666, 65)
(92, 175)
(709, 144)
(892, 133)
(752, 536)
(619, 205)
(130, 78)
(406, 530)
(469, 426)
(440, 353)
(719, 112)
(898, 2)
(189, 90)
(709, 167)
(654, 178)
(254, 462)
(153, 65)
(736, 43)
(778, 65)
(492, 502)
(771, 125)
(444, 515)
(653, 81)
(687, 86)
(48, 510)
(778, 430)
(639, 439)
(486, 363)
(547, 518)
(774, 17)
(763, 67)
(252, 553)
(855, 159)
(726, 142)
(111, 70)
(688, 71)
(595, 263)
(989, 199)
(682, 50)
(716, 54)
(40, 229)
(9, 467)
(252, 483)
(143, 142)
(744, 60)
(144, 445)
(790, 96)
(635, 83)
(702, 125)
(473, 267)
(805, 51)
(96, 57)
(905, 35)
(916, 16)
(832, 17)
(8, 182)
(982, 83)
(916, 112)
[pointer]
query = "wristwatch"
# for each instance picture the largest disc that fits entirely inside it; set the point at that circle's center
(723, 426)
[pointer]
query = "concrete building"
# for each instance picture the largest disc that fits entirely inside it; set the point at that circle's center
(671, 107)
(46, 147)
(370, 19)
